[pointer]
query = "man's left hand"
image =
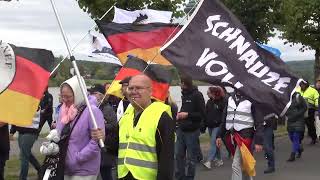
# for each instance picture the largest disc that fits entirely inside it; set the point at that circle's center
(182, 115)
(258, 148)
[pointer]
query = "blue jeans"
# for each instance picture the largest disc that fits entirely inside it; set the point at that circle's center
(26, 142)
(268, 146)
(214, 151)
(295, 138)
(186, 154)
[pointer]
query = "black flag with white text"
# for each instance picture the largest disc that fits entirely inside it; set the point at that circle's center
(215, 47)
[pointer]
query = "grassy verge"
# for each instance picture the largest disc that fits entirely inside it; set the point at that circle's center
(12, 168)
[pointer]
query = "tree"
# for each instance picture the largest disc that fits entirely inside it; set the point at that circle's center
(260, 17)
(96, 8)
(301, 24)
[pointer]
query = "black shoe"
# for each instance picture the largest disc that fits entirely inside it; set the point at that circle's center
(269, 170)
(313, 142)
(292, 157)
(300, 152)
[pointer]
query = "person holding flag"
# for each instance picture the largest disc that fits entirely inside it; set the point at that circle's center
(241, 124)
(146, 135)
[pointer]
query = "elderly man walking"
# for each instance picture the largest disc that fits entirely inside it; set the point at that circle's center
(146, 135)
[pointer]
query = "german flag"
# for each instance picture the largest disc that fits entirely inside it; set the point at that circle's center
(248, 161)
(24, 76)
(159, 75)
(140, 40)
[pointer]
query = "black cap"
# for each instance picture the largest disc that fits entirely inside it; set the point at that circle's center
(125, 80)
(97, 88)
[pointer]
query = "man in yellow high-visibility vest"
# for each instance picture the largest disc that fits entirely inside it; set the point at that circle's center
(146, 135)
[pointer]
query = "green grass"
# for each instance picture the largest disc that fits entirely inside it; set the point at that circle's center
(12, 168)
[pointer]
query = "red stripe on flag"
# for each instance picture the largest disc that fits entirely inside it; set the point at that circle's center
(160, 90)
(125, 72)
(30, 79)
(124, 42)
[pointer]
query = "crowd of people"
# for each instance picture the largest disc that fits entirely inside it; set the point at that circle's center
(148, 139)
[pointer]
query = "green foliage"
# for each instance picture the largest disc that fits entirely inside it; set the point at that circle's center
(88, 69)
(260, 17)
(96, 8)
(301, 24)
(302, 69)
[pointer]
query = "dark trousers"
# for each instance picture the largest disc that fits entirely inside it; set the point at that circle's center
(2, 165)
(44, 119)
(26, 142)
(310, 124)
(106, 172)
(295, 138)
(187, 150)
(268, 146)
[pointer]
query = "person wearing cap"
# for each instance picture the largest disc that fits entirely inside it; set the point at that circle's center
(146, 135)
(124, 103)
(108, 158)
(311, 96)
(79, 153)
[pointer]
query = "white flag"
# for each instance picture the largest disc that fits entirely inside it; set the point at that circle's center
(143, 16)
(100, 50)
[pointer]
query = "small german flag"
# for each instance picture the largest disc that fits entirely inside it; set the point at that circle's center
(24, 75)
(159, 75)
(140, 40)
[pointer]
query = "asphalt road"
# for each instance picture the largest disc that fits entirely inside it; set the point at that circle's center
(306, 168)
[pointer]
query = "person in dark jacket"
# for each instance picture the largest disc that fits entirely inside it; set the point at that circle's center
(46, 105)
(189, 119)
(26, 138)
(268, 143)
(108, 159)
(4, 147)
(296, 124)
(214, 114)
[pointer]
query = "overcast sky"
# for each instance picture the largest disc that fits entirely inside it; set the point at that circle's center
(32, 23)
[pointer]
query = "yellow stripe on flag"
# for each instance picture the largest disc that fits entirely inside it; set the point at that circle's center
(115, 89)
(145, 54)
(248, 161)
(17, 108)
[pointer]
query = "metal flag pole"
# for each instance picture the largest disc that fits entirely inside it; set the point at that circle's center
(81, 82)
(84, 36)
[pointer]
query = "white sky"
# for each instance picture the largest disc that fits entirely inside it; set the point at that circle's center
(32, 23)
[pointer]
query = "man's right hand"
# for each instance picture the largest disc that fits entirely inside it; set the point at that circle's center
(218, 142)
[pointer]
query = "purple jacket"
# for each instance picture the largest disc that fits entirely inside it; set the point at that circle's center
(83, 154)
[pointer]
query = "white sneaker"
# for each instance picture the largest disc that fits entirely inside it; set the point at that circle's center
(218, 163)
(207, 164)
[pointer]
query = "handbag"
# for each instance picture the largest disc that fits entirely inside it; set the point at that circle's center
(53, 165)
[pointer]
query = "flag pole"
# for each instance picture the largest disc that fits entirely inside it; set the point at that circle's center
(75, 66)
(84, 36)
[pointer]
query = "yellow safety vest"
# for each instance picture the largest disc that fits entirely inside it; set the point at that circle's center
(137, 145)
(311, 95)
